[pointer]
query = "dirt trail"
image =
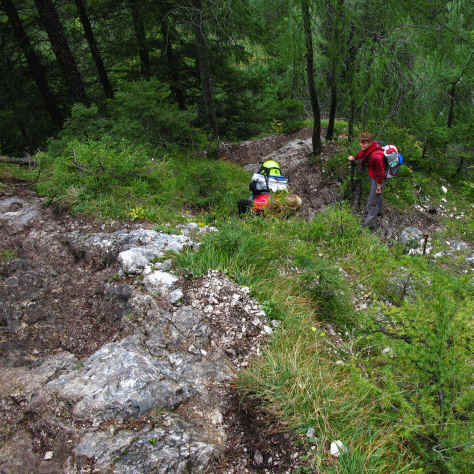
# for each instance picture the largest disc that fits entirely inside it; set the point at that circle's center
(317, 188)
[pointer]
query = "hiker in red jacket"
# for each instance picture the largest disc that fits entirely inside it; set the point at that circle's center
(371, 152)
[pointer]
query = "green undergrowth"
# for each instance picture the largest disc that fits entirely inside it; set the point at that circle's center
(394, 382)
(14, 172)
(116, 179)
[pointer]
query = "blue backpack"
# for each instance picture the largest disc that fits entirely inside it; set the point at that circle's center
(393, 159)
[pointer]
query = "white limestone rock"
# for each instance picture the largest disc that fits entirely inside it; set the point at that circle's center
(159, 282)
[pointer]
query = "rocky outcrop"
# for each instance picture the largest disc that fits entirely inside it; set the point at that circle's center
(151, 397)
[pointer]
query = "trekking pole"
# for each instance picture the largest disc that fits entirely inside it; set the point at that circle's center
(352, 181)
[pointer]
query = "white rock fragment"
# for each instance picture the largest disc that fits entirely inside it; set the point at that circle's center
(337, 448)
(216, 417)
(339, 362)
(134, 260)
(267, 330)
(159, 282)
(175, 296)
(387, 350)
(444, 189)
(48, 455)
(258, 458)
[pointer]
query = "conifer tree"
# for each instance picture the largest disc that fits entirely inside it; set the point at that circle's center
(52, 24)
(316, 137)
(104, 79)
(34, 63)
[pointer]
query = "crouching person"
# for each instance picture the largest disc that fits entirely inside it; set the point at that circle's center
(260, 186)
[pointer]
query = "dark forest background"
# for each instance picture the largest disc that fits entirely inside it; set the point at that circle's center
(192, 71)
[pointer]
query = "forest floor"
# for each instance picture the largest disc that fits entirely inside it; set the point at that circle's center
(67, 311)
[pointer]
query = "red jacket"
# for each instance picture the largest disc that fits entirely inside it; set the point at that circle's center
(376, 161)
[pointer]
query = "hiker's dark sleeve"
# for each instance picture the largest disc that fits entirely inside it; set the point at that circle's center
(253, 188)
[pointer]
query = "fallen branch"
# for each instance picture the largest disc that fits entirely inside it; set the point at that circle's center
(25, 161)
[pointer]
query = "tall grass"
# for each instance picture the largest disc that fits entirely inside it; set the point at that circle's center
(376, 382)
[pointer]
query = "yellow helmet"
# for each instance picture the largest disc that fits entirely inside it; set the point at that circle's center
(270, 168)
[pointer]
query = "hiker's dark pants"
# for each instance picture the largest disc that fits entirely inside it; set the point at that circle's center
(374, 205)
(244, 205)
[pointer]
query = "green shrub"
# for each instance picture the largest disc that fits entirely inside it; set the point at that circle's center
(338, 165)
(98, 166)
(211, 185)
(290, 113)
(142, 110)
(428, 380)
(327, 289)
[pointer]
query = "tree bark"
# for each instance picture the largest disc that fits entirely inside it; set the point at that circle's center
(89, 34)
(36, 69)
(452, 100)
(204, 66)
(52, 24)
(172, 63)
(350, 79)
(333, 102)
(336, 53)
(139, 27)
(316, 138)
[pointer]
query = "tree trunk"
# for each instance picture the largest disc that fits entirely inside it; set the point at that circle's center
(452, 96)
(460, 166)
(203, 60)
(139, 27)
(52, 24)
(336, 35)
(350, 79)
(36, 69)
(311, 86)
(333, 102)
(104, 79)
(172, 63)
